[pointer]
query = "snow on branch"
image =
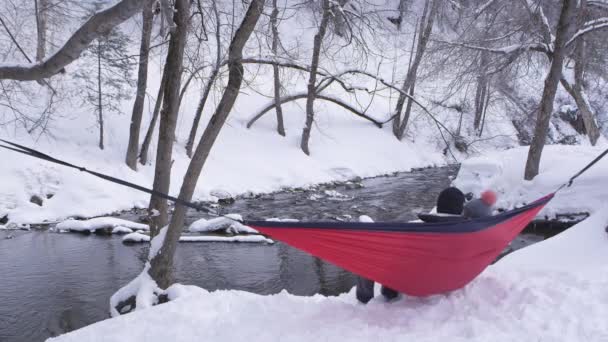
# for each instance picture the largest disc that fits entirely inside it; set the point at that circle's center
(536, 10)
(97, 25)
(507, 50)
(303, 95)
(602, 4)
(589, 27)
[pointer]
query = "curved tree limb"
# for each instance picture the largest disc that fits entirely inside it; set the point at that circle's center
(99, 24)
(318, 96)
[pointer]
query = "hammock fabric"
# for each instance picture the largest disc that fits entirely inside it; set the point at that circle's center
(417, 259)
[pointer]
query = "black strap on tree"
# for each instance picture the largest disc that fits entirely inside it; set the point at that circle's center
(33, 153)
(569, 183)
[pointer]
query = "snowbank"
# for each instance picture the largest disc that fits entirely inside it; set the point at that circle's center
(112, 224)
(504, 173)
(138, 237)
(554, 291)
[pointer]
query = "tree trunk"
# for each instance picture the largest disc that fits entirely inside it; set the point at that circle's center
(145, 146)
(42, 7)
(408, 110)
(485, 108)
(481, 93)
(158, 208)
(142, 81)
(314, 65)
(551, 82)
(426, 26)
(275, 68)
(340, 23)
(208, 86)
(99, 95)
(163, 261)
(584, 107)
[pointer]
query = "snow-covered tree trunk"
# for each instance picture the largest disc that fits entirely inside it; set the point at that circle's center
(275, 68)
(142, 82)
(312, 80)
(145, 145)
(426, 27)
(580, 60)
(162, 263)
(481, 92)
(158, 207)
(42, 7)
(99, 96)
(340, 24)
(551, 83)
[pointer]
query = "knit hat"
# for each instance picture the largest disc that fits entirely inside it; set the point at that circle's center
(488, 197)
(450, 201)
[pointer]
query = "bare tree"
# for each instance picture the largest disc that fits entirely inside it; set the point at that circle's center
(209, 85)
(158, 208)
(426, 27)
(142, 82)
(312, 86)
(578, 90)
(275, 68)
(145, 145)
(41, 8)
(163, 261)
(551, 83)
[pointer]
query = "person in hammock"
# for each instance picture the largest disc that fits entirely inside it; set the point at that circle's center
(451, 202)
(482, 206)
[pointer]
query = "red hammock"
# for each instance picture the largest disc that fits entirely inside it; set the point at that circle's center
(417, 259)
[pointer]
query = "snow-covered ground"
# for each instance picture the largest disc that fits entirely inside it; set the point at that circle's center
(552, 291)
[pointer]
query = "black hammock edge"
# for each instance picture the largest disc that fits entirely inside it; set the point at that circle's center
(457, 225)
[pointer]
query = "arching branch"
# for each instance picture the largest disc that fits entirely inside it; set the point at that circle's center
(99, 24)
(318, 96)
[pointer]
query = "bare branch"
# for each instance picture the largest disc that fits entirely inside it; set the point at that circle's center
(99, 24)
(318, 96)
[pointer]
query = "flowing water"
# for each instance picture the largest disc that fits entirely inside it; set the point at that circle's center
(51, 283)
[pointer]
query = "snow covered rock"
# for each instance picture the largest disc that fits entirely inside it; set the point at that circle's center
(105, 225)
(135, 237)
(230, 224)
(223, 197)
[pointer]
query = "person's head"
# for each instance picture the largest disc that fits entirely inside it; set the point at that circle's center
(450, 201)
(488, 197)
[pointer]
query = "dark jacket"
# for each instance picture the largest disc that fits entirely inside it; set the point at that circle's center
(477, 208)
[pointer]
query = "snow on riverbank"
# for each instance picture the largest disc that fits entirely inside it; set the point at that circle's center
(503, 172)
(138, 237)
(506, 303)
(114, 225)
